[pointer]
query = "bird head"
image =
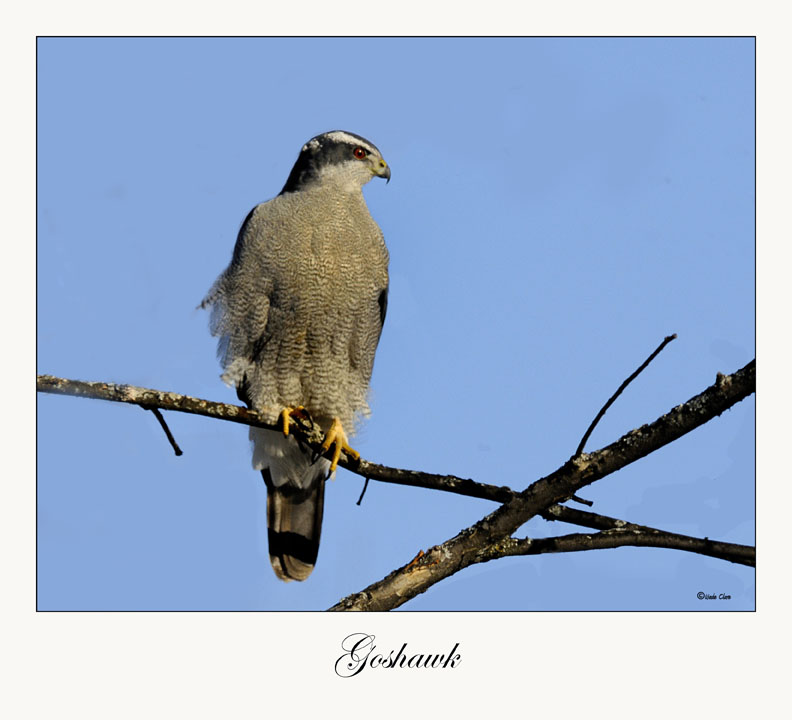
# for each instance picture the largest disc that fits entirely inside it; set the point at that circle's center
(337, 157)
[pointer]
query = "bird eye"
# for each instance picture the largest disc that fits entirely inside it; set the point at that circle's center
(359, 153)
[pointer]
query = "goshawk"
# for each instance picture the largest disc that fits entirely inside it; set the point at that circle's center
(299, 312)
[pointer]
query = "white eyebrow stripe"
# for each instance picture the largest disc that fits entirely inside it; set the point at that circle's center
(341, 136)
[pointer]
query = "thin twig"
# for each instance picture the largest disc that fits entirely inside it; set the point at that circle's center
(619, 392)
(363, 492)
(164, 425)
(582, 501)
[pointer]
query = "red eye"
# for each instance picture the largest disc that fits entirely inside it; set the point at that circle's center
(359, 153)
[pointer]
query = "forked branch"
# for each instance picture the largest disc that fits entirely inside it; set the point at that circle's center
(478, 542)
(490, 537)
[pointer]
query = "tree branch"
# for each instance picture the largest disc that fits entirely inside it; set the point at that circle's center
(303, 429)
(149, 399)
(470, 545)
(630, 535)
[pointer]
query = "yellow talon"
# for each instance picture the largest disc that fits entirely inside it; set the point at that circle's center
(286, 415)
(336, 436)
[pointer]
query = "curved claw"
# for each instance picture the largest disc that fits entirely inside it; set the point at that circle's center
(336, 436)
(286, 415)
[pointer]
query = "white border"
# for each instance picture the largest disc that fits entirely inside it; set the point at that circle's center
(246, 664)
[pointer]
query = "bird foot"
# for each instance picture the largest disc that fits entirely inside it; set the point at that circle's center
(287, 413)
(336, 436)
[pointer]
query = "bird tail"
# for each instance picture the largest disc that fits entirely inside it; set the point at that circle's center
(295, 503)
(294, 526)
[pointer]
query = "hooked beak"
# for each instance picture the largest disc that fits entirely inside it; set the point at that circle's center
(383, 171)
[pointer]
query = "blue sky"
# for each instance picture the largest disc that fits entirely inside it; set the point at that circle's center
(557, 207)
